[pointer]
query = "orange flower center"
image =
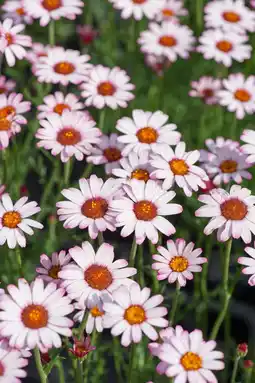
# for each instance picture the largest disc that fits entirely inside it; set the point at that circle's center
(147, 135)
(34, 316)
(94, 208)
(64, 68)
(140, 174)
(208, 92)
(191, 361)
(234, 209)
(51, 5)
(98, 277)
(167, 12)
(20, 11)
(68, 136)
(53, 271)
(231, 17)
(139, 1)
(228, 166)
(11, 219)
(167, 41)
(2, 369)
(6, 111)
(179, 167)
(179, 263)
(2, 90)
(135, 315)
(106, 88)
(59, 108)
(9, 38)
(112, 154)
(5, 124)
(242, 95)
(145, 210)
(224, 46)
(95, 312)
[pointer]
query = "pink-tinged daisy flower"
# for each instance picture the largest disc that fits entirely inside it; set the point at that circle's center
(224, 47)
(248, 137)
(142, 210)
(232, 214)
(159, 64)
(94, 274)
(52, 265)
(133, 312)
(57, 103)
(62, 66)
(15, 10)
(215, 146)
(47, 10)
(37, 50)
(137, 8)
(146, 131)
(167, 39)
(107, 87)
(11, 43)
(238, 94)
(25, 353)
(178, 167)
(178, 261)
(35, 316)
(230, 15)
(6, 86)
(14, 220)
(108, 152)
(206, 88)
(89, 206)
(86, 33)
(171, 10)
(11, 364)
(250, 263)
(71, 134)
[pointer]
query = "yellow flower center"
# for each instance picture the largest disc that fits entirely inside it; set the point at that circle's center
(64, 68)
(231, 17)
(179, 167)
(224, 46)
(167, 41)
(147, 135)
(140, 174)
(94, 208)
(112, 154)
(228, 166)
(191, 361)
(98, 277)
(53, 271)
(59, 108)
(135, 315)
(34, 317)
(234, 209)
(179, 263)
(242, 95)
(11, 219)
(145, 210)
(51, 5)
(68, 136)
(106, 88)
(95, 312)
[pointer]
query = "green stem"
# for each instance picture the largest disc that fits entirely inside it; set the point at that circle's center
(18, 260)
(78, 372)
(133, 253)
(67, 171)
(175, 304)
(233, 127)
(100, 238)
(234, 373)
(131, 362)
(248, 375)
(47, 190)
(52, 33)
(39, 366)
(199, 15)
(82, 325)
(117, 358)
(204, 288)
(88, 170)
(61, 372)
(101, 120)
(140, 266)
(89, 356)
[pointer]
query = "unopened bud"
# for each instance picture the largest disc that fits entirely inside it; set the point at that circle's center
(242, 349)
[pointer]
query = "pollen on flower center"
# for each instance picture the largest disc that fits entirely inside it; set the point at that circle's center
(34, 316)
(106, 88)
(59, 108)
(98, 277)
(95, 312)
(234, 209)
(20, 11)
(145, 210)
(179, 167)
(140, 174)
(179, 263)
(228, 166)
(53, 271)
(135, 314)
(112, 154)
(231, 17)
(9, 38)
(242, 95)
(207, 92)
(7, 111)
(191, 361)
(167, 41)
(5, 124)
(224, 46)
(11, 219)
(167, 12)
(2, 369)
(68, 136)
(51, 5)
(64, 68)
(95, 208)
(147, 135)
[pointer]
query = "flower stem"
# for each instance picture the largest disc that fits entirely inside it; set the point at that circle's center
(39, 366)
(133, 253)
(78, 372)
(233, 127)
(233, 377)
(101, 120)
(100, 238)
(67, 171)
(82, 325)
(140, 266)
(199, 15)
(175, 304)
(52, 33)
(131, 362)
(88, 170)
(61, 372)
(18, 260)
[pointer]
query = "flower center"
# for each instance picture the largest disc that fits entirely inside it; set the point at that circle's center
(224, 46)
(20, 11)
(231, 17)
(145, 210)
(2, 90)
(9, 38)
(147, 135)
(53, 271)
(34, 316)
(68, 136)
(98, 277)
(167, 12)
(6, 111)
(242, 95)
(95, 312)
(51, 5)
(135, 315)
(2, 369)
(179, 263)
(234, 209)
(228, 166)
(94, 208)
(64, 68)
(59, 108)
(191, 361)
(5, 124)
(106, 88)
(11, 219)
(140, 174)
(139, 1)
(167, 41)
(179, 167)
(112, 154)
(207, 93)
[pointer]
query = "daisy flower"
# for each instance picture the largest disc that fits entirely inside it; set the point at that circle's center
(248, 137)
(6, 86)
(57, 103)
(178, 261)
(238, 94)
(142, 210)
(86, 33)
(52, 265)
(47, 10)
(206, 88)
(230, 15)
(107, 87)
(134, 167)
(137, 8)
(171, 10)
(157, 63)
(224, 47)
(146, 131)
(232, 214)
(250, 263)
(37, 50)
(14, 9)
(215, 146)
(89, 206)
(62, 66)
(34, 315)
(11, 364)
(178, 167)
(12, 43)
(14, 220)
(71, 134)
(133, 312)
(167, 39)
(94, 274)
(108, 152)
(25, 353)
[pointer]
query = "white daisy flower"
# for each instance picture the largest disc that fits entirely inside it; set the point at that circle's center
(94, 274)
(171, 10)
(146, 131)
(134, 166)
(250, 263)
(230, 15)
(14, 220)
(224, 47)
(206, 88)
(137, 8)
(178, 167)
(6, 86)
(107, 87)
(14, 9)
(52, 265)
(133, 312)
(11, 364)
(89, 206)
(107, 152)
(248, 136)
(232, 214)
(167, 39)
(25, 353)
(178, 261)
(215, 146)
(238, 94)
(57, 103)
(34, 315)
(142, 210)
(71, 134)
(62, 66)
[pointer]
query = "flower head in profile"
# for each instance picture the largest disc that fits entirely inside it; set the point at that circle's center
(206, 88)
(14, 9)
(137, 8)
(50, 266)
(248, 136)
(86, 33)
(6, 85)
(81, 347)
(12, 363)
(249, 262)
